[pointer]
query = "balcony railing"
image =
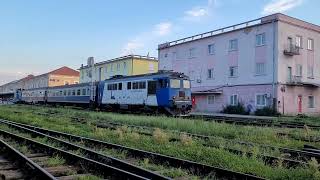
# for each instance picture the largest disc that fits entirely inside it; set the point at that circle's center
(291, 50)
(294, 80)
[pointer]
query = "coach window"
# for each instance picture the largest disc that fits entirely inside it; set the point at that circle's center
(152, 87)
(120, 86)
(135, 85)
(73, 92)
(78, 92)
(65, 92)
(142, 85)
(128, 85)
(69, 92)
(61, 92)
(84, 92)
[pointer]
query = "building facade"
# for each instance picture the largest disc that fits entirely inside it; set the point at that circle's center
(58, 77)
(271, 61)
(126, 66)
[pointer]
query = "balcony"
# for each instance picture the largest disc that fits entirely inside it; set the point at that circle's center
(291, 50)
(295, 80)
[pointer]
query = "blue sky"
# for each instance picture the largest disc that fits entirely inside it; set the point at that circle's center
(37, 36)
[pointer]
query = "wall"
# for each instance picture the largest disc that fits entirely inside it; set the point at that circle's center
(141, 66)
(60, 80)
(176, 58)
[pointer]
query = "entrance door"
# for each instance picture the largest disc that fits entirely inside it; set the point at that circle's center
(300, 104)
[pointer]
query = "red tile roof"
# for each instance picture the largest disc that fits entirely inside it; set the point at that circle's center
(65, 71)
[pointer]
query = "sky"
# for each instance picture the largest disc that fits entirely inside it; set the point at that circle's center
(38, 36)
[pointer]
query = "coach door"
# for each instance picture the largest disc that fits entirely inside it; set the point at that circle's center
(151, 93)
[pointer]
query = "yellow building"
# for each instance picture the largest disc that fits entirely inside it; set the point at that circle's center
(126, 66)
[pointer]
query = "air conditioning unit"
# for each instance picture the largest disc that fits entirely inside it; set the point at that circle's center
(198, 80)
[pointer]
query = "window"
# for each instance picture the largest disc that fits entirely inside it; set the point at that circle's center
(311, 102)
(118, 67)
(233, 71)
(152, 87)
(260, 39)
(84, 92)
(186, 84)
(124, 65)
(234, 100)
(106, 69)
(111, 68)
(69, 92)
(310, 44)
(65, 92)
(260, 69)
(210, 74)
(174, 83)
(163, 83)
(299, 70)
(135, 85)
(142, 85)
(310, 71)
(112, 86)
(120, 86)
(299, 41)
(192, 52)
(261, 99)
(211, 99)
(233, 45)
(211, 49)
(128, 85)
(73, 92)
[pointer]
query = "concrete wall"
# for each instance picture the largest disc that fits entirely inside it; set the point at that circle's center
(143, 66)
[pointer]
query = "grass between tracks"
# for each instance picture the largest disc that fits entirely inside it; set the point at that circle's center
(186, 149)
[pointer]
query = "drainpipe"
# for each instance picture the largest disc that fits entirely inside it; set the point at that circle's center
(274, 99)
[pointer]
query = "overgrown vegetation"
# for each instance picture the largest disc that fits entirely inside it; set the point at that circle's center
(235, 109)
(266, 111)
(186, 147)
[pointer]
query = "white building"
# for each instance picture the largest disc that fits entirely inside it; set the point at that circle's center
(270, 61)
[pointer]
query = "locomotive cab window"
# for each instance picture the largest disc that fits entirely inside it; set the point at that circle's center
(142, 85)
(152, 87)
(186, 84)
(175, 83)
(163, 83)
(135, 85)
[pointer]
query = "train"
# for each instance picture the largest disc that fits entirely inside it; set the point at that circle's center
(168, 92)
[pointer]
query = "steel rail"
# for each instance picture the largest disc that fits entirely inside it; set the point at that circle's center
(120, 164)
(194, 167)
(36, 171)
(86, 163)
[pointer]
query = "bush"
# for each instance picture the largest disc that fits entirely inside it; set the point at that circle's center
(266, 111)
(237, 109)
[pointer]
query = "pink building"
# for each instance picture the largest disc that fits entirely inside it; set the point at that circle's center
(271, 61)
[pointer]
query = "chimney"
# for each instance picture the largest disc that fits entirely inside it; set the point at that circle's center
(90, 61)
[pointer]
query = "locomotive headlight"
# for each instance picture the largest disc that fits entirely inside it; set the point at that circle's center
(173, 97)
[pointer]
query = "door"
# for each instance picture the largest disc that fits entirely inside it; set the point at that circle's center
(300, 104)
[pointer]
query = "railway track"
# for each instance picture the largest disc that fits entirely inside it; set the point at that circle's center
(198, 169)
(255, 122)
(15, 165)
(301, 156)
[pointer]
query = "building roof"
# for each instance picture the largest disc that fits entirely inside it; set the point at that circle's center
(263, 20)
(66, 71)
(149, 58)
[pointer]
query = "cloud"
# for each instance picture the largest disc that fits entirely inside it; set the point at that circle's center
(276, 6)
(163, 29)
(139, 42)
(198, 12)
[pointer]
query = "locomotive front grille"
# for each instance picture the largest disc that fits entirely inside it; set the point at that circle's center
(182, 94)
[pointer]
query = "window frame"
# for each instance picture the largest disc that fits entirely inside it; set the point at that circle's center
(232, 100)
(300, 42)
(262, 39)
(231, 48)
(192, 52)
(313, 102)
(210, 73)
(264, 69)
(264, 95)
(310, 44)
(211, 51)
(234, 74)
(299, 70)
(212, 97)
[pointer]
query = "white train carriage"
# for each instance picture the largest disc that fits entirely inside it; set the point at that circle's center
(34, 96)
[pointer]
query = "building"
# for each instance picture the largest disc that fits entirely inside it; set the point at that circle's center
(271, 61)
(58, 77)
(126, 65)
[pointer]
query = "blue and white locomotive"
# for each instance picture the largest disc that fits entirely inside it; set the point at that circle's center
(163, 91)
